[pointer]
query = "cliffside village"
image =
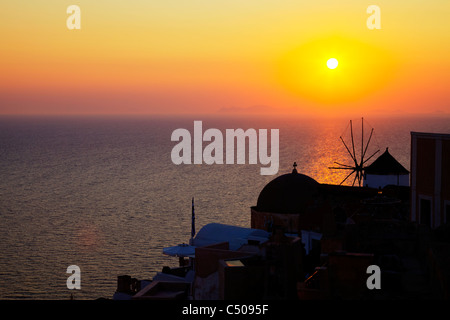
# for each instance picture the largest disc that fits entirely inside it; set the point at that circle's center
(312, 241)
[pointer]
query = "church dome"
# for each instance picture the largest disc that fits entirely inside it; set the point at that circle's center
(288, 193)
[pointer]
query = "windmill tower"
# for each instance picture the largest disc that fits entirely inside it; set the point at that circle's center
(358, 161)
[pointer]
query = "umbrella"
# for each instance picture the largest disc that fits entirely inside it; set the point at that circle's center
(181, 250)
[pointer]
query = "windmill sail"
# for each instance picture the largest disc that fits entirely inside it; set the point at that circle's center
(358, 163)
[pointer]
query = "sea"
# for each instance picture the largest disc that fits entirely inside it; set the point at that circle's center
(102, 192)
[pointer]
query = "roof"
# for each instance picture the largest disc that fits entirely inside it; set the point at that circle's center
(386, 165)
(213, 233)
(431, 135)
(288, 193)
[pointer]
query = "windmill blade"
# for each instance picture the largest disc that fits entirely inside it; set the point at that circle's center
(348, 150)
(342, 168)
(347, 177)
(368, 141)
(371, 156)
(353, 143)
(344, 165)
(362, 138)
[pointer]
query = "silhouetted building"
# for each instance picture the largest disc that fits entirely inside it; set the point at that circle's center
(290, 201)
(256, 270)
(301, 206)
(384, 171)
(430, 178)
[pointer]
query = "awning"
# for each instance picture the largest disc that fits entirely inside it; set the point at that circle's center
(181, 250)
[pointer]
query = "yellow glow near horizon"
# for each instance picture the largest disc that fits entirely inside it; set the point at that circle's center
(332, 63)
(204, 56)
(362, 70)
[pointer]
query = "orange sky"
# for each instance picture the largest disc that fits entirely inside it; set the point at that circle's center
(217, 57)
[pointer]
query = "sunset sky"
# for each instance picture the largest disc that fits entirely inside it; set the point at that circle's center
(224, 57)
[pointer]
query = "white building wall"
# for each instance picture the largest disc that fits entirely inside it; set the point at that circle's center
(380, 181)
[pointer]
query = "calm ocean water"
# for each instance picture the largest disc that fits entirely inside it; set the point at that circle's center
(103, 193)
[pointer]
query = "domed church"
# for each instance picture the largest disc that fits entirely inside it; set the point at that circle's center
(288, 193)
(296, 202)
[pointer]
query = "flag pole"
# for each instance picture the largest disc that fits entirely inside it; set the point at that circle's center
(191, 241)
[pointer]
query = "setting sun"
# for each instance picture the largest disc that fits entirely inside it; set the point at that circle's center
(332, 63)
(208, 57)
(333, 71)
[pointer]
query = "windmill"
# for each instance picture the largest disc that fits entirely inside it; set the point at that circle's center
(358, 161)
